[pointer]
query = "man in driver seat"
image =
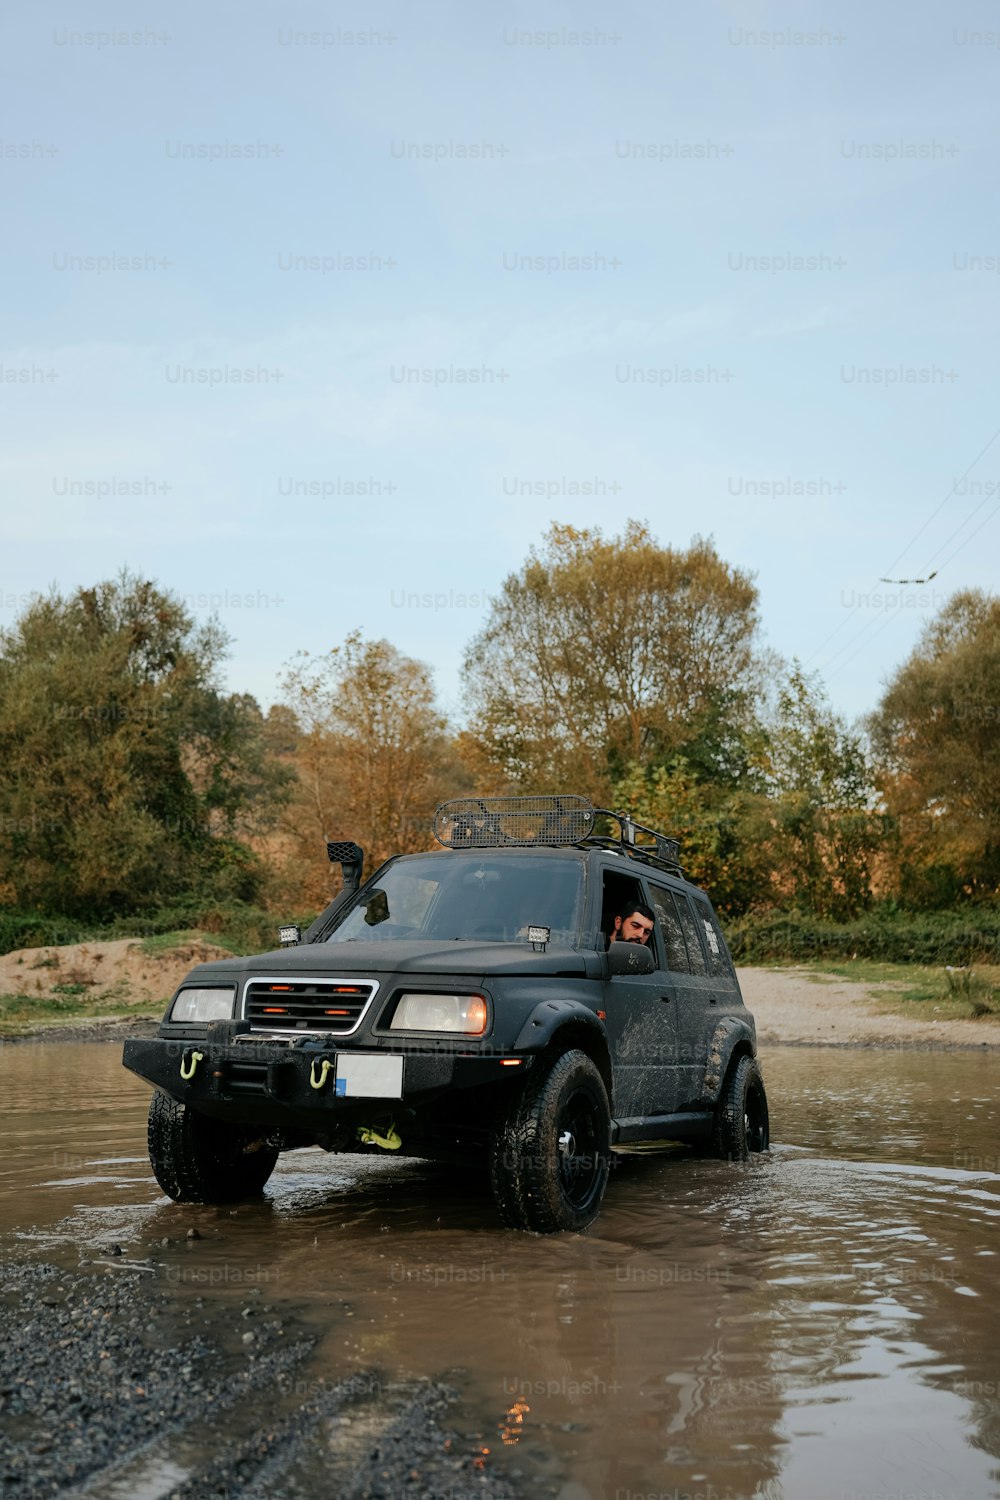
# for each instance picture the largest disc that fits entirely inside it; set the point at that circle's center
(633, 924)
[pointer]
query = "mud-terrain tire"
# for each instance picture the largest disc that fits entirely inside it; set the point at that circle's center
(549, 1156)
(196, 1159)
(741, 1125)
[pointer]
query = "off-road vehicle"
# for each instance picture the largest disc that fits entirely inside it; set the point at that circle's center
(469, 1001)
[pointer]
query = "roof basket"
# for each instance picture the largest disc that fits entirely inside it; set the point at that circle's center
(663, 850)
(548, 821)
(499, 822)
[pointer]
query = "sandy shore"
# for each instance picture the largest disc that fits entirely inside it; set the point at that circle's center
(792, 1009)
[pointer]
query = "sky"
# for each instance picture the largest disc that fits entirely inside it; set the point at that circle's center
(320, 314)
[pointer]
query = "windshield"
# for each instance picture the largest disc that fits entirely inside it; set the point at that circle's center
(443, 897)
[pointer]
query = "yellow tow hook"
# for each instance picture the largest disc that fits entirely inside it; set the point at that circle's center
(391, 1141)
(326, 1066)
(189, 1064)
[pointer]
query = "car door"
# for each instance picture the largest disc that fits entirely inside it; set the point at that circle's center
(686, 982)
(641, 1033)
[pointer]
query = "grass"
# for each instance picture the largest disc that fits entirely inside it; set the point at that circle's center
(161, 944)
(926, 991)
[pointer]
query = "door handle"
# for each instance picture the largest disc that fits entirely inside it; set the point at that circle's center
(666, 997)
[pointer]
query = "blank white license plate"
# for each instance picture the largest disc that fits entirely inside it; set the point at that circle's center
(369, 1075)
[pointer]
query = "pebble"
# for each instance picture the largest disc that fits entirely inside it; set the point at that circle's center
(70, 1415)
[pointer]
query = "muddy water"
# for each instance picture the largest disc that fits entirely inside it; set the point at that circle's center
(820, 1323)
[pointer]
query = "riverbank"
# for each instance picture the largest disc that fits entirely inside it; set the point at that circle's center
(805, 1007)
(121, 989)
(82, 988)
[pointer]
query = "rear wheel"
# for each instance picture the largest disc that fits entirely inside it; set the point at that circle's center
(196, 1159)
(741, 1119)
(549, 1157)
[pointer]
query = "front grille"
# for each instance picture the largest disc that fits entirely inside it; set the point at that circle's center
(327, 1005)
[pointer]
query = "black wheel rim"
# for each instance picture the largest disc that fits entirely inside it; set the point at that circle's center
(580, 1151)
(755, 1120)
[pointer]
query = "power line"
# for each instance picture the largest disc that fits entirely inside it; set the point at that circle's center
(968, 539)
(895, 615)
(961, 527)
(872, 619)
(937, 510)
(944, 502)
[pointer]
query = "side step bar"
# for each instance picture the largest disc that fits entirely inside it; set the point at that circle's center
(676, 1127)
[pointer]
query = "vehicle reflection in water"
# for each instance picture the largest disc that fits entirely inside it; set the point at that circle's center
(822, 1321)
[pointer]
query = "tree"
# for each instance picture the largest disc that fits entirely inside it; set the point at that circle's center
(127, 778)
(714, 823)
(604, 654)
(373, 757)
(936, 736)
(782, 815)
(825, 832)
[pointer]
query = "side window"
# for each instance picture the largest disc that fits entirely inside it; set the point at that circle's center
(719, 963)
(619, 891)
(671, 932)
(695, 951)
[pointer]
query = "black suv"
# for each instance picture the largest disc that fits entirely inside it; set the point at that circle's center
(468, 1001)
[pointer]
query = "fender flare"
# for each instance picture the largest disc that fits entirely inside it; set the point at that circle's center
(548, 1017)
(587, 1031)
(730, 1036)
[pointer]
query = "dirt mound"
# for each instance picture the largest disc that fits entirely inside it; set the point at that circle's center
(120, 968)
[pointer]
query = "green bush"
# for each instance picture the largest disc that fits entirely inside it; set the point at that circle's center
(950, 937)
(33, 930)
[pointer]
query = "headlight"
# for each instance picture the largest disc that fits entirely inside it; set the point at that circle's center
(204, 1005)
(466, 1013)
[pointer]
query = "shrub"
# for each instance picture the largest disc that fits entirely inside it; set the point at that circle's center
(956, 937)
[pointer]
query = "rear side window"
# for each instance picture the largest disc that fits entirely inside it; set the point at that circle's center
(696, 954)
(719, 962)
(669, 921)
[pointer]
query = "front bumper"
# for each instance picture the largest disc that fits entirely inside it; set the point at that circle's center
(274, 1085)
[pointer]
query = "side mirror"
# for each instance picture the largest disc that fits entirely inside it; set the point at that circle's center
(630, 959)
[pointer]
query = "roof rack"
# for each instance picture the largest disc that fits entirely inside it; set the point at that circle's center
(550, 821)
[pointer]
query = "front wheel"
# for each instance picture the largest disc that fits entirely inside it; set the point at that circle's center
(197, 1159)
(741, 1119)
(549, 1158)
